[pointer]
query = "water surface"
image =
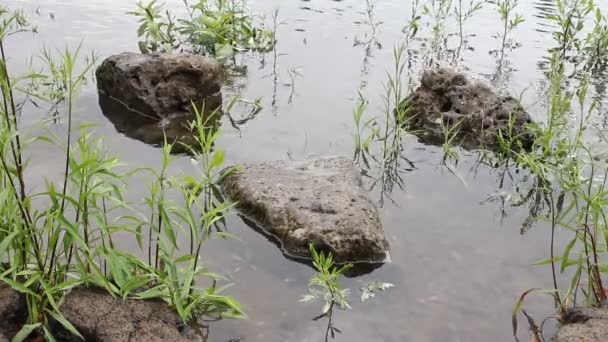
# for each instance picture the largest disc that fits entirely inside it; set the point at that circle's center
(457, 263)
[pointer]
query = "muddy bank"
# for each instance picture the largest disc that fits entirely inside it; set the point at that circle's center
(584, 325)
(101, 318)
(448, 104)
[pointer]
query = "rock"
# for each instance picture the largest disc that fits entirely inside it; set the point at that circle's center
(314, 201)
(446, 98)
(13, 311)
(99, 317)
(148, 95)
(584, 325)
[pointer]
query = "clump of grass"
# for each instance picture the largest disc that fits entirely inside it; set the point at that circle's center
(63, 236)
(572, 182)
(218, 28)
(570, 19)
(381, 138)
(325, 285)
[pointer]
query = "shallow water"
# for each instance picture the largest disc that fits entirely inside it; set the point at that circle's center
(457, 265)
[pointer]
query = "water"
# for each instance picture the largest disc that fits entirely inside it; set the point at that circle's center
(458, 266)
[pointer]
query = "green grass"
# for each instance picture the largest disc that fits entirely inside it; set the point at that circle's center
(64, 236)
(219, 28)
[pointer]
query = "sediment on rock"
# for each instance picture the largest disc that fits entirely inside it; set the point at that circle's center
(318, 201)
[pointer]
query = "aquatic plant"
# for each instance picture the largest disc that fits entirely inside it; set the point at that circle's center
(325, 285)
(370, 39)
(463, 14)
(571, 179)
(379, 139)
(63, 236)
(218, 28)
(438, 12)
(158, 29)
(509, 19)
(596, 42)
(570, 20)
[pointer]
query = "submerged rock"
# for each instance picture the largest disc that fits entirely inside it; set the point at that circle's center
(99, 317)
(147, 96)
(314, 201)
(584, 325)
(447, 99)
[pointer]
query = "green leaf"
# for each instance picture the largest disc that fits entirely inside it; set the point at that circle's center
(547, 261)
(25, 332)
(184, 258)
(217, 160)
(224, 51)
(17, 286)
(566, 254)
(65, 323)
(6, 241)
(151, 293)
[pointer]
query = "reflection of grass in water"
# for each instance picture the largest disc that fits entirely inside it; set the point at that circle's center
(379, 140)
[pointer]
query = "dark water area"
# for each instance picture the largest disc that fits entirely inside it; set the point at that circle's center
(458, 262)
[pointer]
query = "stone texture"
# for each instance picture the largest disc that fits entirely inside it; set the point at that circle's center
(446, 98)
(584, 325)
(99, 317)
(147, 95)
(13, 311)
(318, 201)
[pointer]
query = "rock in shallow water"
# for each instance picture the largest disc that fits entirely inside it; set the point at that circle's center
(314, 201)
(584, 325)
(99, 317)
(147, 96)
(446, 98)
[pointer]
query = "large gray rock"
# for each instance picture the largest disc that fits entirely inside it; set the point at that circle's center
(446, 98)
(99, 317)
(584, 325)
(315, 201)
(147, 96)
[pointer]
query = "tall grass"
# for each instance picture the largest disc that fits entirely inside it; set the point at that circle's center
(573, 180)
(63, 236)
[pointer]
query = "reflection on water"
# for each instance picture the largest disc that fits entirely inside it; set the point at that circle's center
(148, 129)
(543, 9)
